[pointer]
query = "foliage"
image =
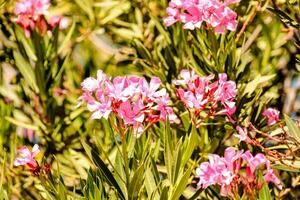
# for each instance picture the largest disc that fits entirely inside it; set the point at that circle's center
(40, 84)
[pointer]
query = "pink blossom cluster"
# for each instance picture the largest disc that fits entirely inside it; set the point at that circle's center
(226, 171)
(132, 99)
(30, 14)
(200, 93)
(27, 157)
(272, 115)
(193, 13)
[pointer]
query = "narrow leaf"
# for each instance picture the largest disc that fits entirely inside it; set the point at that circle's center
(26, 70)
(293, 128)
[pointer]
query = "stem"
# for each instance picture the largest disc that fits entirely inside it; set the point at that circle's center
(265, 134)
(247, 22)
(125, 156)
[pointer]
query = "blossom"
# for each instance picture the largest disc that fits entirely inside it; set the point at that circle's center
(272, 115)
(31, 14)
(61, 22)
(271, 177)
(201, 93)
(254, 162)
(226, 171)
(226, 91)
(26, 157)
(132, 99)
(220, 170)
(242, 134)
(193, 13)
(174, 12)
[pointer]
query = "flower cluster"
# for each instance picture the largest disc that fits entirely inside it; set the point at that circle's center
(132, 99)
(226, 172)
(199, 93)
(193, 13)
(272, 115)
(30, 14)
(27, 157)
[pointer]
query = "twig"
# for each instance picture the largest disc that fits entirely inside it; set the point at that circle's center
(247, 22)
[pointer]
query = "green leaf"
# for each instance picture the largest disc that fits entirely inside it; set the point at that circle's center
(264, 193)
(284, 167)
(293, 128)
(136, 183)
(21, 124)
(196, 194)
(67, 38)
(292, 164)
(115, 12)
(27, 46)
(26, 70)
(168, 157)
(150, 184)
(286, 19)
(181, 185)
(251, 86)
(120, 174)
(106, 173)
(177, 162)
(87, 7)
(164, 194)
(142, 50)
(190, 146)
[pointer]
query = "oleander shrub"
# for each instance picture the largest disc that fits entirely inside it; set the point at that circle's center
(149, 99)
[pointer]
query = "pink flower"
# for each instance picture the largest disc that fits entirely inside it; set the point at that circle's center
(193, 13)
(220, 170)
(187, 77)
(223, 18)
(225, 171)
(229, 110)
(132, 99)
(131, 113)
(99, 109)
(272, 115)
(253, 163)
(226, 91)
(200, 93)
(150, 90)
(61, 22)
(90, 84)
(173, 12)
(231, 156)
(32, 8)
(26, 157)
(30, 15)
(123, 88)
(242, 134)
(271, 177)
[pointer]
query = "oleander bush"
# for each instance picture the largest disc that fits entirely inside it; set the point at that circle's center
(149, 99)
